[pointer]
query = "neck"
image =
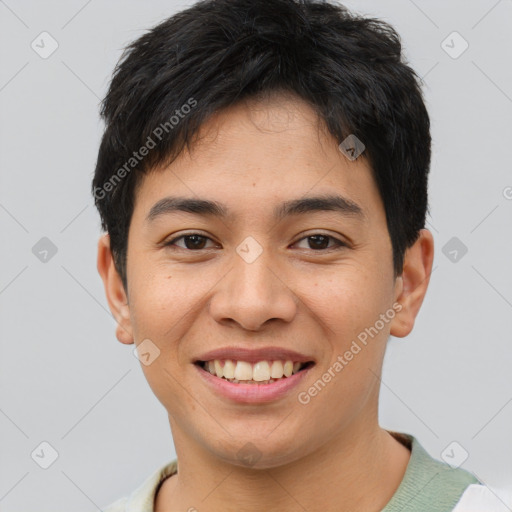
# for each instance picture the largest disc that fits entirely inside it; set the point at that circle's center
(359, 469)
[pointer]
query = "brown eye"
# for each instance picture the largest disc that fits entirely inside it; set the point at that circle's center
(191, 242)
(320, 242)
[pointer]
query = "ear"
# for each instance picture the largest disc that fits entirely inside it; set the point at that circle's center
(114, 290)
(411, 286)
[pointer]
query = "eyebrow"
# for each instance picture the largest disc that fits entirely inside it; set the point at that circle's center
(337, 203)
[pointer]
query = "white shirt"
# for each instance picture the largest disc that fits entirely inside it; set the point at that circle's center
(480, 498)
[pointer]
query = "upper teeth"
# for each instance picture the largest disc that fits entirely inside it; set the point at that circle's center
(260, 371)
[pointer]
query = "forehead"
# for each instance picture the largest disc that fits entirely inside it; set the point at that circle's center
(284, 123)
(260, 152)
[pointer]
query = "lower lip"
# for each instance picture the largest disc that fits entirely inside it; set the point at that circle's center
(252, 393)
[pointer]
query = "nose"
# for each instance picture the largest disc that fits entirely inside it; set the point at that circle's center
(253, 294)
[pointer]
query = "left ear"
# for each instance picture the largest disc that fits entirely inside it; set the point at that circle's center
(411, 286)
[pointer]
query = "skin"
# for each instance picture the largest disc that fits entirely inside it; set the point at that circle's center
(329, 454)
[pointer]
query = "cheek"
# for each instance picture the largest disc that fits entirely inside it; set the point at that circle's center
(161, 309)
(346, 299)
(165, 305)
(161, 296)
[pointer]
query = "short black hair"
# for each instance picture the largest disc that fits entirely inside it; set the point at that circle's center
(347, 67)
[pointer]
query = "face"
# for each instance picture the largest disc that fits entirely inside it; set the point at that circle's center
(275, 272)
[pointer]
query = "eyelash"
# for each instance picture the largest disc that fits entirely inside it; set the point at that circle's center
(338, 243)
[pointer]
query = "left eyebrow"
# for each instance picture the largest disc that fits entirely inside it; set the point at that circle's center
(339, 204)
(301, 206)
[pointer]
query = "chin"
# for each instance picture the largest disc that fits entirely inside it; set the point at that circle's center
(260, 452)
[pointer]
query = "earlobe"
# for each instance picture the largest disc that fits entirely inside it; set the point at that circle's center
(114, 291)
(411, 286)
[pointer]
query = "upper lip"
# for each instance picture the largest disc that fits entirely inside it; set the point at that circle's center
(254, 355)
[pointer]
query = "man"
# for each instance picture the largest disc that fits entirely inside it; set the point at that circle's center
(262, 181)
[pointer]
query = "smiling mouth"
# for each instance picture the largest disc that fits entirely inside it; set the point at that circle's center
(262, 372)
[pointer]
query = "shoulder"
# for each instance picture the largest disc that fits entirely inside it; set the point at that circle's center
(432, 485)
(143, 497)
(428, 484)
(118, 505)
(439, 474)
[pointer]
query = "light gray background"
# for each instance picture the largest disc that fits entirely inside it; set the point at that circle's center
(66, 380)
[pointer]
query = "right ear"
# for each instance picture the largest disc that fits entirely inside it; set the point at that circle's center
(114, 290)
